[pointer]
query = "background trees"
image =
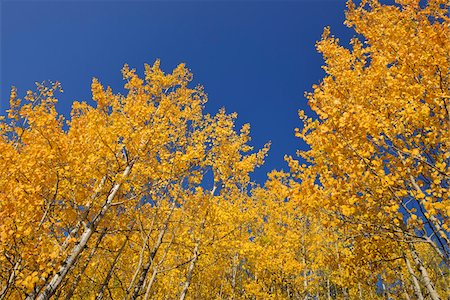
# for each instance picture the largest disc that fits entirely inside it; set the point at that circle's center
(380, 146)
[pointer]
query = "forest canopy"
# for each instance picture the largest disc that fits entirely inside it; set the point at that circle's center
(144, 195)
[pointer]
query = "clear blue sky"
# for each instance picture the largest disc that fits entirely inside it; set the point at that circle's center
(256, 58)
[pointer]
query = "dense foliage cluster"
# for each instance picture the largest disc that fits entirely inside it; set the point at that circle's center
(145, 196)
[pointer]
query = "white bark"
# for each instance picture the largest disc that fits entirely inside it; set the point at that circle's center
(424, 274)
(152, 254)
(328, 289)
(196, 254)
(436, 223)
(234, 273)
(85, 265)
(416, 284)
(141, 259)
(405, 290)
(11, 279)
(112, 268)
(190, 271)
(72, 258)
(156, 269)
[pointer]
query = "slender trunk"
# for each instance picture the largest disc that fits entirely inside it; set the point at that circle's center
(84, 215)
(141, 259)
(85, 265)
(305, 278)
(150, 284)
(220, 291)
(328, 289)
(190, 271)
(424, 274)
(441, 234)
(416, 284)
(345, 292)
(111, 268)
(70, 261)
(436, 249)
(405, 291)
(149, 263)
(81, 222)
(195, 255)
(12, 277)
(234, 273)
(152, 254)
(434, 223)
(156, 268)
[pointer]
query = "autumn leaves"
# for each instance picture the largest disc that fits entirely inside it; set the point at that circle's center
(137, 191)
(381, 142)
(144, 196)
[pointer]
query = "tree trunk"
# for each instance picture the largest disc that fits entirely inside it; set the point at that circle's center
(12, 277)
(441, 234)
(156, 268)
(152, 254)
(190, 271)
(85, 265)
(141, 259)
(424, 274)
(70, 261)
(328, 289)
(416, 284)
(405, 291)
(111, 268)
(234, 273)
(195, 256)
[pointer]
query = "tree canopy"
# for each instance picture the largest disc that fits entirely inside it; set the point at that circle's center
(145, 196)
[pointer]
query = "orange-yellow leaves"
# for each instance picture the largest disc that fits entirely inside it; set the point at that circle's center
(187, 167)
(380, 145)
(98, 95)
(14, 104)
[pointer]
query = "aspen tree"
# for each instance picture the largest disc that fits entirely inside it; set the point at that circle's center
(94, 208)
(379, 150)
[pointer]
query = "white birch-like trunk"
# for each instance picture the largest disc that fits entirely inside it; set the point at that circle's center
(414, 280)
(190, 271)
(328, 289)
(12, 277)
(152, 254)
(156, 269)
(405, 291)
(85, 265)
(141, 259)
(111, 270)
(234, 273)
(424, 274)
(195, 255)
(72, 258)
(436, 223)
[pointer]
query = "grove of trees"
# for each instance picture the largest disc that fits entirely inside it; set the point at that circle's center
(146, 196)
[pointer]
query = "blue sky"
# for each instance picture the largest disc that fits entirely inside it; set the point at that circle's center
(256, 58)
